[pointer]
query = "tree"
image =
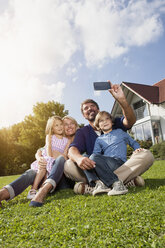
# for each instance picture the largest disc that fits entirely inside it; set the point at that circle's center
(4, 150)
(33, 127)
(19, 143)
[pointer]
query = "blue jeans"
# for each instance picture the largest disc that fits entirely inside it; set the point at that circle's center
(104, 170)
(20, 184)
(57, 177)
(27, 178)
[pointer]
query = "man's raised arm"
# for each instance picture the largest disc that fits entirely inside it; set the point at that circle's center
(129, 116)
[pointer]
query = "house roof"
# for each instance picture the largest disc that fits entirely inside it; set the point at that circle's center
(153, 94)
(161, 85)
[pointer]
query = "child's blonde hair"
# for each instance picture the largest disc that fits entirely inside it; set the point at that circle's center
(50, 122)
(99, 115)
(72, 119)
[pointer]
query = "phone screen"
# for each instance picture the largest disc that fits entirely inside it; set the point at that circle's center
(101, 85)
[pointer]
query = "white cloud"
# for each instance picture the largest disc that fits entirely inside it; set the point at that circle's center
(40, 33)
(39, 37)
(109, 28)
(35, 39)
(55, 91)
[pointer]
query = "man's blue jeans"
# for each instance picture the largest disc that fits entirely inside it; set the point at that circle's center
(27, 178)
(103, 170)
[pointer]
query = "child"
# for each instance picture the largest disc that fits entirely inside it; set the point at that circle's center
(56, 144)
(110, 152)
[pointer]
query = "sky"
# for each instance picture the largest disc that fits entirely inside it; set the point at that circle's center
(56, 49)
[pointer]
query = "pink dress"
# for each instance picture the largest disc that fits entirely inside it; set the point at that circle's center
(56, 145)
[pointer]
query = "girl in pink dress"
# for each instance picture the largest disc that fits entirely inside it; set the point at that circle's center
(56, 144)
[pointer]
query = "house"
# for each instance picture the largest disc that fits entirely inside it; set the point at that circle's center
(148, 103)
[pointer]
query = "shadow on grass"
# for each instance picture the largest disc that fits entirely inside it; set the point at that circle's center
(61, 194)
(154, 183)
(68, 193)
(57, 195)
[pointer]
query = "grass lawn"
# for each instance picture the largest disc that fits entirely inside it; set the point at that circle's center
(68, 220)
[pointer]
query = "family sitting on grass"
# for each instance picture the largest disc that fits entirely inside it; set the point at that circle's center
(97, 156)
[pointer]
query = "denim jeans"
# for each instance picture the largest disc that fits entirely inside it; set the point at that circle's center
(56, 178)
(21, 183)
(104, 170)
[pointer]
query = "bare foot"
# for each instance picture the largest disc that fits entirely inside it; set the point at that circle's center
(41, 194)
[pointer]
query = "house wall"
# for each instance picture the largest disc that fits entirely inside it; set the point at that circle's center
(155, 113)
(162, 122)
(159, 111)
(162, 118)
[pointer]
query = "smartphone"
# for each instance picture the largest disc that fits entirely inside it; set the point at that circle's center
(101, 85)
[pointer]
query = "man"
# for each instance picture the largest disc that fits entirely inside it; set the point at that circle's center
(84, 143)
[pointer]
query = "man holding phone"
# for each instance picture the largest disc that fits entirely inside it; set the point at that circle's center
(85, 139)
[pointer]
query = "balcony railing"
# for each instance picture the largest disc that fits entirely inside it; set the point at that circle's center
(141, 112)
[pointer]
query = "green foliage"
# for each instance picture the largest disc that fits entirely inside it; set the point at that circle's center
(158, 150)
(33, 129)
(143, 144)
(135, 220)
(19, 143)
(81, 125)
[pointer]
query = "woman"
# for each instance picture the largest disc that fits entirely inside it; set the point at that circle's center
(51, 183)
(26, 179)
(55, 141)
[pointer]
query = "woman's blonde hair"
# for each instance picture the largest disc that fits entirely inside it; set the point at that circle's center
(99, 115)
(50, 122)
(72, 119)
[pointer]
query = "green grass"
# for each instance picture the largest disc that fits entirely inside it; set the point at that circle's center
(68, 220)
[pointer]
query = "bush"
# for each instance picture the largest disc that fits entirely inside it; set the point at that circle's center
(158, 150)
(146, 144)
(143, 144)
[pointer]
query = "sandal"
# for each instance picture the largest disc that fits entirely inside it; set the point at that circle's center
(31, 194)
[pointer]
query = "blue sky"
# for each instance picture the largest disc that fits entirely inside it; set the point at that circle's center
(56, 49)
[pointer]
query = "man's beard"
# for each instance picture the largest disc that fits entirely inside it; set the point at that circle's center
(92, 117)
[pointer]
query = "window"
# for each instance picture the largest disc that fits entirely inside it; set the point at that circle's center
(147, 131)
(142, 131)
(156, 131)
(139, 132)
(140, 109)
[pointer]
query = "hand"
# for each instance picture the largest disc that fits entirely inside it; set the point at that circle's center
(85, 163)
(117, 92)
(138, 150)
(41, 163)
